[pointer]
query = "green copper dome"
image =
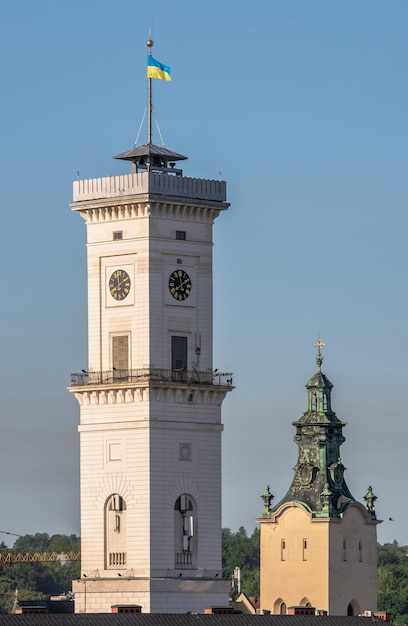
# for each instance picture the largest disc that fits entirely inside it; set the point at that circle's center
(319, 483)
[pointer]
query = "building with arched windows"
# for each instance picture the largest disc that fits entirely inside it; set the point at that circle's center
(319, 545)
(150, 399)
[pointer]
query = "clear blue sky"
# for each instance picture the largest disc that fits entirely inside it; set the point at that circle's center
(302, 105)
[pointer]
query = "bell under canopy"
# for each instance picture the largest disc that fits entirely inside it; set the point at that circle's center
(150, 157)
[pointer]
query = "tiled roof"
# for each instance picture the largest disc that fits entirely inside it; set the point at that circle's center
(157, 619)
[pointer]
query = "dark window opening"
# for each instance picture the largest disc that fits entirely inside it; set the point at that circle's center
(179, 353)
(181, 235)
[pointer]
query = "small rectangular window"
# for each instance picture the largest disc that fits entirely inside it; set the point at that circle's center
(118, 234)
(181, 234)
(305, 549)
(344, 550)
(283, 547)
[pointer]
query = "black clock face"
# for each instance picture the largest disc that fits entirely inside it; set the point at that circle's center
(180, 285)
(119, 284)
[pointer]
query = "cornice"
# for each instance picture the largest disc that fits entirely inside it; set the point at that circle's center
(89, 395)
(124, 210)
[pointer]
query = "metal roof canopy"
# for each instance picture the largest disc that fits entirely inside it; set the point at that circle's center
(150, 150)
(152, 158)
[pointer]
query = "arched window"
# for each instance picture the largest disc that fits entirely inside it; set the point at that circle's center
(313, 402)
(325, 405)
(353, 608)
(115, 531)
(184, 531)
(279, 607)
(282, 609)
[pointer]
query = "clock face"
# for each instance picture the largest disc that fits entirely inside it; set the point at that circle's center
(180, 285)
(119, 284)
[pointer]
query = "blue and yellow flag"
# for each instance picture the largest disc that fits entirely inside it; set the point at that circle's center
(155, 69)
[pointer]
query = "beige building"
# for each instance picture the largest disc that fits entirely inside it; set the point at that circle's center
(318, 545)
(150, 399)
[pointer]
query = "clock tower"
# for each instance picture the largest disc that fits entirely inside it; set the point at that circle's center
(150, 400)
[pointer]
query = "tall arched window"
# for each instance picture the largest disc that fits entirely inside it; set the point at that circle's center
(184, 531)
(354, 608)
(115, 531)
(279, 607)
(282, 609)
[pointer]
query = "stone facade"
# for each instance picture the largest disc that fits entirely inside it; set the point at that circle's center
(150, 404)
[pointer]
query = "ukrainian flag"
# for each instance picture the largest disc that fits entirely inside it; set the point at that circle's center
(155, 69)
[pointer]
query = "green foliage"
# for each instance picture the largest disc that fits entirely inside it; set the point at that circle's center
(39, 580)
(239, 550)
(392, 581)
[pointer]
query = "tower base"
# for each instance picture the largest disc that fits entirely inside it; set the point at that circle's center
(164, 595)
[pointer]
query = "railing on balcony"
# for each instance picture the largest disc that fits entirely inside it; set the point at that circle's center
(195, 377)
(183, 559)
(117, 559)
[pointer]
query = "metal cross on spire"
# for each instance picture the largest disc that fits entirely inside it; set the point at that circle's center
(319, 358)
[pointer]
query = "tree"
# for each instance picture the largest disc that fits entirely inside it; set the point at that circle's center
(38, 580)
(392, 581)
(239, 550)
(32, 543)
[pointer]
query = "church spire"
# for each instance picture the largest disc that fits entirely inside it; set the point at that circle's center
(319, 482)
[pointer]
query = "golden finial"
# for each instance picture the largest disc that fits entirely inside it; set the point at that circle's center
(319, 358)
(319, 344)
(150, 42)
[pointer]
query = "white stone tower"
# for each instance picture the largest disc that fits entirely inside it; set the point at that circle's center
(150, 400)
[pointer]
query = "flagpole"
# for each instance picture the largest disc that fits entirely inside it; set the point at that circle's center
(150, 45)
